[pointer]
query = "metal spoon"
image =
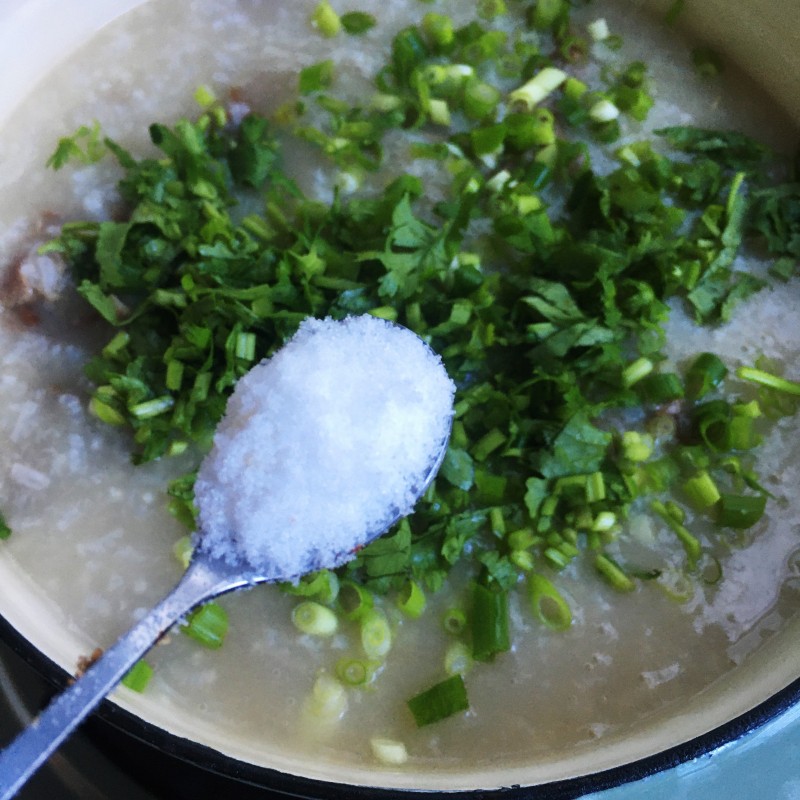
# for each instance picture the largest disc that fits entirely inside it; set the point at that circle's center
(206, 577)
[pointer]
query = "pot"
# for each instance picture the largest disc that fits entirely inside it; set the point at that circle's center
(35, 37)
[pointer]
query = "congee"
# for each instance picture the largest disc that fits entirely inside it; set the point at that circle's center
(567, 204)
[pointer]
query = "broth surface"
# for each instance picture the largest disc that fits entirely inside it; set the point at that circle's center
(94, 533)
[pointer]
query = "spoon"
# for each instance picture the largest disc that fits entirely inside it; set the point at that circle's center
(276, 409)
(206, 577)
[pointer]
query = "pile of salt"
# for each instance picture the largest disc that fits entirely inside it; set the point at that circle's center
(321, 444)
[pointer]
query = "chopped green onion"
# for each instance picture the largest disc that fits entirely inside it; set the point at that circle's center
(411, 600)
(105, 412)
(769, 380)
(355, 601)
(548, 604)
(454, 621)
(439, 112)
(676, 585)
(376, 635)
(604, 521)
(442, 700)
(152, 408)
(595, 487)
(487, 444)
(204, 96)
(537, 88)
(691, 544)
(314, 619)
(117, 344)
(323, 586)
(245, 346)
(138, 676)
(661, 388)
(712, 421)
(207, 625)
(522, 559)
(480, 100)
(174, 376)
(637, 446)
(702, 491)
(742, 433)
(490, 628)
(604, 111)
(391, 752)
(326, 20)
(458, 658)
(705, 374)
(711, 572)
(328, 699)
(489, 140)
(356, 671)
(315, 78)
(613, 573)
(635, 371)
(439, 30)
(740, 511)
(752, 410)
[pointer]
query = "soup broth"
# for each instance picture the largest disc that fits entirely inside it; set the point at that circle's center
(92, 536)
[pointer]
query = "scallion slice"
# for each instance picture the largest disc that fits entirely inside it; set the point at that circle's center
(661, 388)
(740, 511)
(530, 94)
(458, 658)
(138, 676)
(635, 371)
(376, 634)
(454, 621)
(548, 604)
(388, 751)
(705, 374)
(702, 490)
(356, 671)
(411, 600)
(314, 619)
(442, 700)
(207, 625)
(691, 543)
(490, 628)
(355, 601)
(769, 380)
(325, 19)
(613, 573)
(328, 698)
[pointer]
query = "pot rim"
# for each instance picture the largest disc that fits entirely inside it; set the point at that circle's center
(205, 758)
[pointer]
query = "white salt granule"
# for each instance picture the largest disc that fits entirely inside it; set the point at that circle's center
(321, 443)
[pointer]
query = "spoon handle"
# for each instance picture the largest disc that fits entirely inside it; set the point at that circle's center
(32, 747)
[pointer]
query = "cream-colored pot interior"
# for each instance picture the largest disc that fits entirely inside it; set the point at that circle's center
(36, 34)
